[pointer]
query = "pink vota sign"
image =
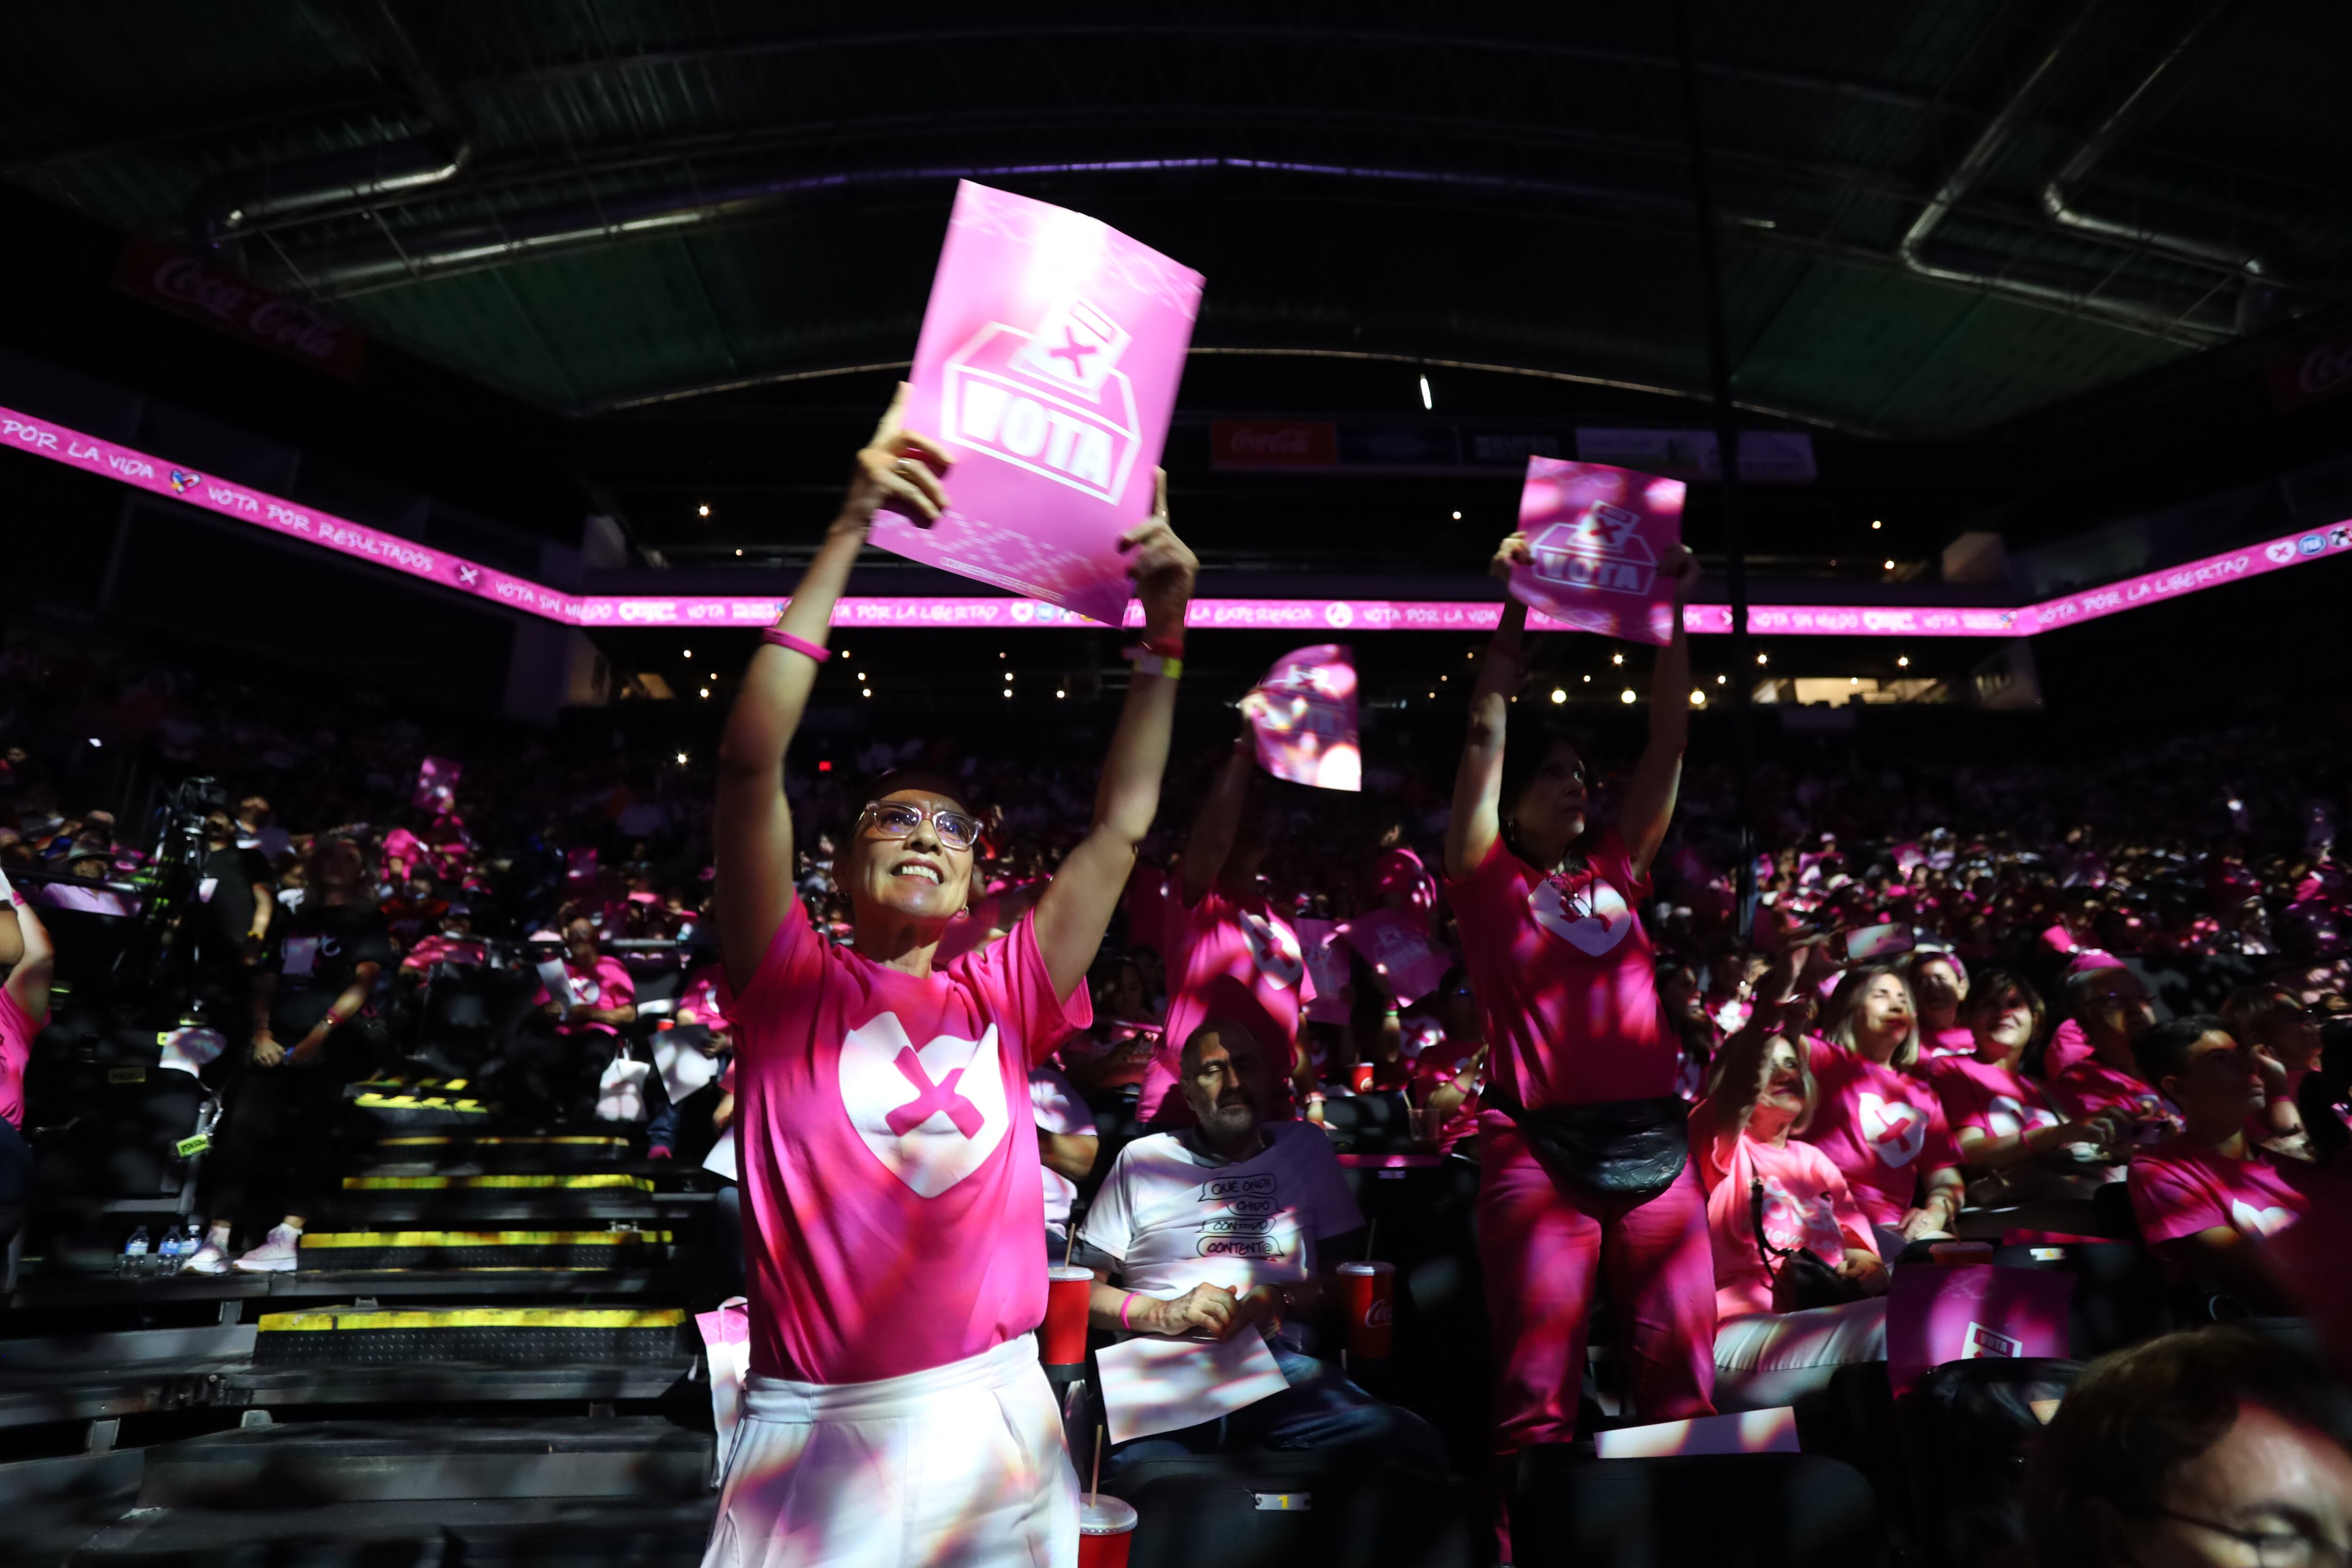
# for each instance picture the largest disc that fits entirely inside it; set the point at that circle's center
(1302, 717)
(1598, 534)
(1048, 364)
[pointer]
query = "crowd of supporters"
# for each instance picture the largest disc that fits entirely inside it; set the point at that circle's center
(1939, 1017)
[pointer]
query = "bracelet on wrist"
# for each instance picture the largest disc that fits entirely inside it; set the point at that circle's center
(1149, 663)
(1123, 1306)
(786, 640)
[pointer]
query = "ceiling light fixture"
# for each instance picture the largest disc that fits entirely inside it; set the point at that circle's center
(1426, 402)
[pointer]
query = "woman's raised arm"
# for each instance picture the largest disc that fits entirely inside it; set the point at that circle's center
(752, 830)
(1478, 782)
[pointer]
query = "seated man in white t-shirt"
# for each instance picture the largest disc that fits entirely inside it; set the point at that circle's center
(1228, 1227)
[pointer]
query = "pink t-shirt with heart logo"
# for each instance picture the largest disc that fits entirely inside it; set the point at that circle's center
(1565, 977)
(1988, 1097)
(1227, 938)
(2181, 1187)
(1806, 1204)
(17, 1032)
(1885, 1129)
(892, 1202)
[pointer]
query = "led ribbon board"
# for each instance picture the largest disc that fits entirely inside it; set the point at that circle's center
(109, 459)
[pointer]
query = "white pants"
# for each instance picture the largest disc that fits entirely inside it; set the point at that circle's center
(1767, 1359)
(960, 1466)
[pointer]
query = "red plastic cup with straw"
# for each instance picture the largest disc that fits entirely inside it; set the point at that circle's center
(1367, 1295)
(1106, 1524)
(1066, 1291)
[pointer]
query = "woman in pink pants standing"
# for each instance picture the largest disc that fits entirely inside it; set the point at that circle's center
(1582, 1147)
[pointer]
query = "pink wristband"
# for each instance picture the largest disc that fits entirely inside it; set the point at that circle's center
(782, 638)
(1123, 1306)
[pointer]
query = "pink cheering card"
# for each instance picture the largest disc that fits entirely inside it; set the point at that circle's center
(1326, 968)
(1048, 365)
(1406, 959)
(436, 785)
(1303, 716)
(1598, 534)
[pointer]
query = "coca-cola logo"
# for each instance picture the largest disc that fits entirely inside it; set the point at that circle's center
(1379, 1314)
(2324, 370)
(191, 283)
(297, 327)
(280, 322)
(189, 286)
(1272, 444)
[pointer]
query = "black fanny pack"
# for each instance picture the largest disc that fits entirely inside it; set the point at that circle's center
(1625, 1148)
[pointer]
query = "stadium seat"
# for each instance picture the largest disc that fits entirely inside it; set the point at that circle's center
(1971, 1424)
(1723, 1510)
(1298, 1510)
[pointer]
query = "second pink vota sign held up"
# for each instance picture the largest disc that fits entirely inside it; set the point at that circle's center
(1598, 536)
(1048, 364)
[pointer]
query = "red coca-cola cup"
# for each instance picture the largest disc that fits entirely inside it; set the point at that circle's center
(1368, 1292)
(1066, 1290)
(1359, 1078)
(1106, 1528)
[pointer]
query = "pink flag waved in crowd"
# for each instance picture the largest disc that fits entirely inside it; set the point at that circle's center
(1303, 716)
(436, 785)
(1598, 534)
(1327, 969)
(1048, 365)
(1412, 963)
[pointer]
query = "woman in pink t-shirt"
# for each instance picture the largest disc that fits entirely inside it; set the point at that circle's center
(24, 1010)
(2207, 1196)
(1545, 901)
(1761, 1090)
(1222, 926)
(1879, 1122)
(2015, 1146)
(1939, 983)
(891, 1195)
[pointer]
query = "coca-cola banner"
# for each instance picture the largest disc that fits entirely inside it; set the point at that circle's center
(2311, 374)
(1272, 444)
(202, 292)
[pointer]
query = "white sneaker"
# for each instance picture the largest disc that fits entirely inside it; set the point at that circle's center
(205, 1259)
(274, 1256)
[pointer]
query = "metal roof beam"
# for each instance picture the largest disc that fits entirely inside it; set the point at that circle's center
(1319, 37)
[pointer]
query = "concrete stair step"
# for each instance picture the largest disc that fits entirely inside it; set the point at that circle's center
(560, 1533)
(314, 1464)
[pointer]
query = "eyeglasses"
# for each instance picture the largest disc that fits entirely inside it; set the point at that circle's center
(2274, 1548)
(898, 818)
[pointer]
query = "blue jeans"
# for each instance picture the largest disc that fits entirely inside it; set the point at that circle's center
(1320, 1410)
